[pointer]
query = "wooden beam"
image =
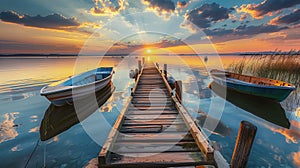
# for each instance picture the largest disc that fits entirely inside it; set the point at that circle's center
(199, 136)
(104, 153)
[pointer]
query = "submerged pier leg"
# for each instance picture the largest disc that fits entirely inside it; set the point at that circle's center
(140, 65)
(165, 70)
(178, 90)
(243, 145)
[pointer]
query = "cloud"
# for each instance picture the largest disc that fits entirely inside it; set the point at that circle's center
(243, 16)
(161, 7)
(108, 8)
(254, 30)
(130, 47)
(205, 15)
(53, 21)
(267, 7)
(292, 18)
(218, 35)
(182, 4)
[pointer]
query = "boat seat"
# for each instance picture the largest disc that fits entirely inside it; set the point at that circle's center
(101, 75)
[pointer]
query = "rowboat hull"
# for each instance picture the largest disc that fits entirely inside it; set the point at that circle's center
(256, 105)
(69, 93)
(57, 119)
(277, 93)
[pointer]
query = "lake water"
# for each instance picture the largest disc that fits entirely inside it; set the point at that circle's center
(22, 110)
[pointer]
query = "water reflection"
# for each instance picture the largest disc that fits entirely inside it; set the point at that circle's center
(8, 127)
(221, 128)
(292, 134)
(59, 119)
(264, 108)
(296, 158)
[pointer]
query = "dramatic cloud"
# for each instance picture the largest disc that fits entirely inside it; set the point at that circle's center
(254, 30)
(108, 8)
(205, 15)
(53, 21)
(293, 18)
(161, 7)
(241, 32)
(267, 7)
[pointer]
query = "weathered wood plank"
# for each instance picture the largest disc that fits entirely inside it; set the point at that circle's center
(152, 112)
(132, 107)
(158, 158)
(154, 148)
(153, 128)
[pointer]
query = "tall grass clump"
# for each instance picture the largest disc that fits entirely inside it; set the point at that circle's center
(279, 66)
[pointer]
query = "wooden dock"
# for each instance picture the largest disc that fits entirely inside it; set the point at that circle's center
(155, 130)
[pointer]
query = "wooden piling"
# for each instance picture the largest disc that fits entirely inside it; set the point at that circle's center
(143, 60)
(243, 145)
(140, 65)
(165, 71)
(136, 74)
(178, 90)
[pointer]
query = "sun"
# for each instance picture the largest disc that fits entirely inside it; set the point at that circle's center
(148, 51)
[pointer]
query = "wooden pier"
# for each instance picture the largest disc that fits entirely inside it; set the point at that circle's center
(155, 130)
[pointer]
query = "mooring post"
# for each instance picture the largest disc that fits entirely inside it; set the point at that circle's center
(143, 60)
(136, 74)
(243, 145)
(178, 90)
(165, 71)
(157, 66)
(131, 94)
(140, 65)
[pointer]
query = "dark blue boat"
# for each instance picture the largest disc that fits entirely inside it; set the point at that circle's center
(264, 87)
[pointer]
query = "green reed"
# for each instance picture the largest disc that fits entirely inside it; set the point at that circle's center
(279, 66)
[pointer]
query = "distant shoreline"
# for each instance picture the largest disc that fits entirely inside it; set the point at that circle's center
(122, 55)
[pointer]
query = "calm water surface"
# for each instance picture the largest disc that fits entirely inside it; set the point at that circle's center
(22, 110)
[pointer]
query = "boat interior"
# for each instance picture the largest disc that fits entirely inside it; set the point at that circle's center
(91, 77)
(250, 79)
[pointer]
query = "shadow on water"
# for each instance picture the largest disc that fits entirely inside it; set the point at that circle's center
(58, 119)
(266, 109)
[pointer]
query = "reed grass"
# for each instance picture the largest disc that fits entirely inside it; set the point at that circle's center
(279, 66)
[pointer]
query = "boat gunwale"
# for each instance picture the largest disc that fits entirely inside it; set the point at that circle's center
(256, 85)
(67, 88)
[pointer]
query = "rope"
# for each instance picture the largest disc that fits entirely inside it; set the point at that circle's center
(37, 143)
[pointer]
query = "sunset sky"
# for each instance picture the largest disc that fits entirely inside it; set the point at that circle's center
(178, 26)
